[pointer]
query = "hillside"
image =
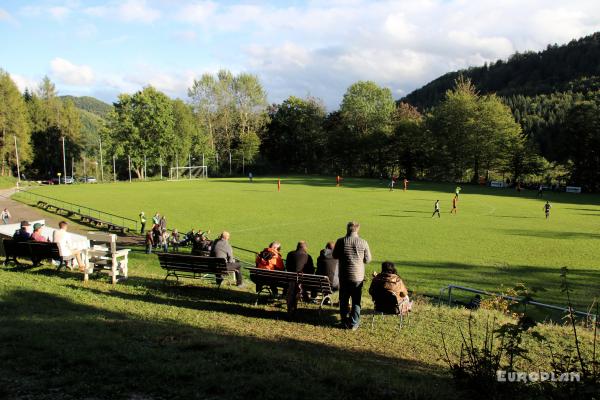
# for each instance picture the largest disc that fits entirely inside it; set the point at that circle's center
(571, 67)
(90, 104)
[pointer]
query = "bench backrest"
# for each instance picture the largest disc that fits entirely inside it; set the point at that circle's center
(106, 239)
(29, 248)
(190, 263)
(308, 281)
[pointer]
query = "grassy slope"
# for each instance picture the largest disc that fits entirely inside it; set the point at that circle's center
(65, 339)
(498, 238)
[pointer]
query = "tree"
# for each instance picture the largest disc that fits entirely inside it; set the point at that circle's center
(233, 109)
(13, 125)
(142, 126)
(51, 121)
(411, 141)
(366, 112)
(295, 139)
(583, 130)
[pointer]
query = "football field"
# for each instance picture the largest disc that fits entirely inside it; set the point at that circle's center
(497, 239)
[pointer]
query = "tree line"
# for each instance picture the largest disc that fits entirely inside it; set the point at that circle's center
(227, 123)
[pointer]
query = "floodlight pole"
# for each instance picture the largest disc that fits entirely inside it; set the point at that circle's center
(101, 162)
(72, 162)
(17, 157)
(144, 167)
(160, 161)
(176, 166)
(190, 158)
(84, 172)
(229, 162)
(114, 169)
(129, 161)
(64, 160)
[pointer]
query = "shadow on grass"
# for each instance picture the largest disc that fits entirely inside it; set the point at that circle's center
(54, 347)
(552, 234)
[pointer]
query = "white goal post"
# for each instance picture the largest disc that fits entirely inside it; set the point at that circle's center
(194, 172)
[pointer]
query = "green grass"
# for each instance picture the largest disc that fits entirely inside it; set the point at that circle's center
(498, 238)
(65, 339)
(7, 182)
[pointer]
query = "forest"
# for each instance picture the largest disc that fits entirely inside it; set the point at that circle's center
(532, 118)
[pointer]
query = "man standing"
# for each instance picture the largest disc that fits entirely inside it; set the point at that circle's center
(454, 207)
(353, 253)
(547, 208)
(222, 249)
(540, 192)
(156, 219)
(142, 222)
(405, 181)
(457, 191)
(250, 176)
(436, 209)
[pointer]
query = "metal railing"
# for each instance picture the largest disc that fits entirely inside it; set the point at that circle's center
(79, 209)
(511, 298)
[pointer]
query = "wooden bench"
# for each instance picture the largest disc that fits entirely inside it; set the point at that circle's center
(190, 266)
(115, 227)
(104, 256)
(42, 204)
(265, 279)
(35, 251)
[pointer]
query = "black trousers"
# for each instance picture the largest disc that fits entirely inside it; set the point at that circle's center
(236, 268)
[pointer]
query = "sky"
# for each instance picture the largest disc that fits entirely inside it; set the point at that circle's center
(301, 48)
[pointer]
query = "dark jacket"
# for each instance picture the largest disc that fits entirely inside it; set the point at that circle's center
(328, 266)
(21, 235)
(222, 249)
(299, 261)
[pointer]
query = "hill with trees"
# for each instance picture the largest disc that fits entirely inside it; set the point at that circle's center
(90, 104)
(572, 67)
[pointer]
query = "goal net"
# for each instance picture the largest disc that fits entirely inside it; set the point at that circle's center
(194, 172)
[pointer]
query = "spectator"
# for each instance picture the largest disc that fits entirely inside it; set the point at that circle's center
(174, 239)
(328, 266)
(164, 241)
(142, 222)
(156, 219)
(61, 238)
(22, 235)
(156, 235)
(270, 258)
(299, 260)
(353, 253)
(388, 290)
(163, 224)
(37, 236)
(149, 242)
(5, 215)
(222, 249)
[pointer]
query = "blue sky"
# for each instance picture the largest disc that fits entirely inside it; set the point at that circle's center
(299, 48)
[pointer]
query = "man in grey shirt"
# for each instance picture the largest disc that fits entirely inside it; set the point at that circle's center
(353, 253)
(222, 249)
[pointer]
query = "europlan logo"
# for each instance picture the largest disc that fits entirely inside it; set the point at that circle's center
(522, 376)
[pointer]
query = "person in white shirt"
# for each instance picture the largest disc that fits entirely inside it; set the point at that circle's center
(61, 237)
(5, 215)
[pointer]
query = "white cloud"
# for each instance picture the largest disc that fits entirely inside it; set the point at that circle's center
(24, 82)
(71, 74)
(5, 16)
(197, 12)
(127, 11)
(59, 12)
(188, 36)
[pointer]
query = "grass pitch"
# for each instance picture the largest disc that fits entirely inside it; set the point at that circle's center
(497, 239)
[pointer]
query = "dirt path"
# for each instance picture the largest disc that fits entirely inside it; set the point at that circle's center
(22, 212)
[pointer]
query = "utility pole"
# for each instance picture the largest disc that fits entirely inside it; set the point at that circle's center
(243, 161)
(144, 167)
(114, 169)
(129, 160)
(177, 165)
(72, 162)
(160, 161)
(190, 158)
(17, 157)
(229, 162)
(101, 162)
(84, 172)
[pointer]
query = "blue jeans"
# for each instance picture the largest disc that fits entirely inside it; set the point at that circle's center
(350, 290)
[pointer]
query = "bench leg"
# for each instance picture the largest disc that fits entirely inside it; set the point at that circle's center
(166, 280)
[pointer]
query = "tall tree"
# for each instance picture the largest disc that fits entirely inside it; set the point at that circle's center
(366, 112)
(142, 126)
(13, 125)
